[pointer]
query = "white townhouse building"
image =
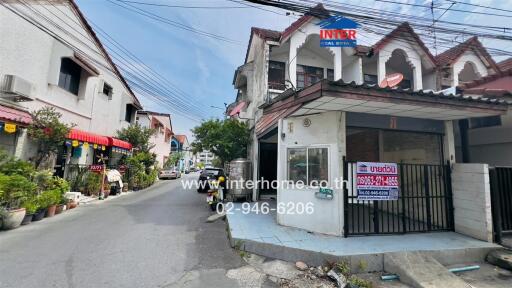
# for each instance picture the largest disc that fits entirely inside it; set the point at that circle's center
(161, 140)
(50, 56)
(314, 112)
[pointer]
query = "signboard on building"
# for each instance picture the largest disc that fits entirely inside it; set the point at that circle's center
(338, 31)
(377, 181)
(324, 193)
(98, 168)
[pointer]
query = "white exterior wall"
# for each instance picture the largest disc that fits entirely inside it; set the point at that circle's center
(472, 201)
(326, 130)
(468, 56)
(412, 57)
(35, 56)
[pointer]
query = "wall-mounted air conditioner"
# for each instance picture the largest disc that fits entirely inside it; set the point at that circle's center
(16, 89)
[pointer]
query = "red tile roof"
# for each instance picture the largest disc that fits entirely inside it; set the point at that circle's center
(495, 84)
(181, 138)
(9, 114)
(277, 36)
(505, 64)
(396, 33)
(451, 55)
(268, 121)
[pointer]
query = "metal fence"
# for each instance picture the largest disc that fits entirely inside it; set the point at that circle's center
(501, 200)
(424, 203)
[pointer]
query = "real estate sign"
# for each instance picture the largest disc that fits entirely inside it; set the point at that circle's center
(377, 181)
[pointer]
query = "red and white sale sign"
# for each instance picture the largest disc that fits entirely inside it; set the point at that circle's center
(377, 181)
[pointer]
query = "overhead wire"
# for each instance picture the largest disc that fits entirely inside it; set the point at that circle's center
(77, 50)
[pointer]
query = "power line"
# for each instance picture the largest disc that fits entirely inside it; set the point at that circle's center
(183, 6)
(380, 20)
(455, 10)
(79, 51)
(172, 23)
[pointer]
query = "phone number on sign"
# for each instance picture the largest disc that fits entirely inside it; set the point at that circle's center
(289, 208)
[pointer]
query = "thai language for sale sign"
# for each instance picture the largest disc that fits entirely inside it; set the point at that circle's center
(377, 181)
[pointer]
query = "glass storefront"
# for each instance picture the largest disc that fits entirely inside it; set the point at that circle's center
(380, 145)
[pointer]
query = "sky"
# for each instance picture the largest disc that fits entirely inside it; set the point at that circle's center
(203, 67)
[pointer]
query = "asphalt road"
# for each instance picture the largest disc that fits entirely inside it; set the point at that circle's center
(151, 238)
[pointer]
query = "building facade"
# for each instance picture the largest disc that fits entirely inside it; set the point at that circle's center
(161, 140)
(61, 63)
(206, 158)
(315, 111)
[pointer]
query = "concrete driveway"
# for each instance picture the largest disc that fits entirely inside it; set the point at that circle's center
(152, 238)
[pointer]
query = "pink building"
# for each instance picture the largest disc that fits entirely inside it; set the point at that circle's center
(161, 140)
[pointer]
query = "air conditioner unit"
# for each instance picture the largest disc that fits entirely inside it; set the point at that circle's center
(16, 89)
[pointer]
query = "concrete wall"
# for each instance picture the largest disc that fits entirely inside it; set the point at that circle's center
(326, 130)
(35, 56)
(472, 200)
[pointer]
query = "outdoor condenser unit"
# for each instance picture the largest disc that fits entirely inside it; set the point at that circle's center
(16, 89)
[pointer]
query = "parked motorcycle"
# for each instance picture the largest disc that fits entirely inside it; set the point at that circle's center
(215, 192)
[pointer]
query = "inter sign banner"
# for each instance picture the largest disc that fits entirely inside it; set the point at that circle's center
(338, 31)
(377, 181)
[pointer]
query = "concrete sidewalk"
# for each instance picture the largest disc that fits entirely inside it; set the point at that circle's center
(260, 234)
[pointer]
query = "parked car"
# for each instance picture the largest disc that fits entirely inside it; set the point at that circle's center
(209, 174)
(171, 173)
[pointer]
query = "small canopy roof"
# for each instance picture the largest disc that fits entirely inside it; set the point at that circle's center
(364, 98)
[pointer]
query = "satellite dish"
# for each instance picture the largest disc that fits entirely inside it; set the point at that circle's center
(391, 80)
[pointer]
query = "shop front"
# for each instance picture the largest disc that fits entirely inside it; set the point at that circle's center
(333, 136)
(83, 149)
(13, 122)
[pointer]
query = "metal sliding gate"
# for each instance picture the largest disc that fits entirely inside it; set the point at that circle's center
(501, 200)
(424, 203)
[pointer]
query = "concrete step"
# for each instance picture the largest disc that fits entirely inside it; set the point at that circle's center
(501, 258)
(421, 270)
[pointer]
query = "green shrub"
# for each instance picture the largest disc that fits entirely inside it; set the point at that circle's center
(15, 190)
(92, 184)
(31, 205)
(19, 167)
(49, 197)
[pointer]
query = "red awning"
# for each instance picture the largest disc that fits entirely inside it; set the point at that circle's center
(88, 137)
(18, 116)
(238, 108)
(119, 143)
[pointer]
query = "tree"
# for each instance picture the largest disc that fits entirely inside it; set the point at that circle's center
(173, 159)
(138, 136)
(227, 139)
(141, 163)
(48, 132)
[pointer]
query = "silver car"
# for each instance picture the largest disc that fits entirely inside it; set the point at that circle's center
(171, 173)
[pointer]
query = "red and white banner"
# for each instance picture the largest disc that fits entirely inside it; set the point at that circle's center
(377, 181)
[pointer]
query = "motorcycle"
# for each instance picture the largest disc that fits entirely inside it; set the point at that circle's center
(215, 194)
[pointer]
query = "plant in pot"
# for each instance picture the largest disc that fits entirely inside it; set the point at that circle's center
(50, 198)
(15, 189)
(31, 206)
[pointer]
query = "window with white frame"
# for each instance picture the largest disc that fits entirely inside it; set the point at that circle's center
(309, 165)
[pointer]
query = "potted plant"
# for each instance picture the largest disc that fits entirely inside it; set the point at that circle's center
(62, 205)
(52, 198)
(15, 189)
(30, 206)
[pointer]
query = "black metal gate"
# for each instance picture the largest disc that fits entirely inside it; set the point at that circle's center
(501, 201)
(424, 203)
